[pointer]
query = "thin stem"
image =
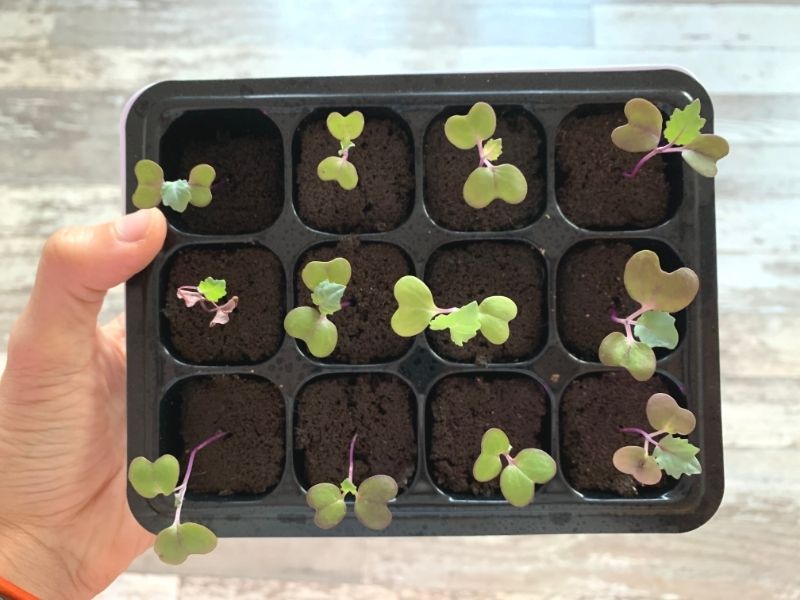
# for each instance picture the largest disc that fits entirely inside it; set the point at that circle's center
(482, 160)
(351, 463)
(630, 320)
(647, 436)
(508, 458)
(659, 150)
(180, 491)
(446, 311)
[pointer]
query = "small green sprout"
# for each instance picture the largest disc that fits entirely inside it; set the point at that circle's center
(530, 466)
(175, 543)
(207, 294)
(674, 455)
(488, 182)
(178, 195)
(659, 293)
(338, 168)
(372, 497)
(417, 311)
(327, 282)
(642, 133)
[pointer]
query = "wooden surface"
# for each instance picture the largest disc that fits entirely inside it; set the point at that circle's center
(66, 68)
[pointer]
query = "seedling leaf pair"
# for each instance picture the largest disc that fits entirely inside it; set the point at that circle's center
(417, 311)
(207, 295)
(370, 507)
(339, 168)
(488, 182)
(151, 188)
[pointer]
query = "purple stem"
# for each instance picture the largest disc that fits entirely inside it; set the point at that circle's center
(647, 436)
(350, 458)
(446, 311)
(482, 160)
(667, 148)
(630, 320)
(180, 491)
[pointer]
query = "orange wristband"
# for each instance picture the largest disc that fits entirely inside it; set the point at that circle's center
(8, 591)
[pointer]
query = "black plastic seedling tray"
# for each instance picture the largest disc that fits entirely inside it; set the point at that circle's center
(423, 509)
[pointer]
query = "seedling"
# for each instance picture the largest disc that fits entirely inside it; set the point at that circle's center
(151, 189)
(339, 168)
(488, 182)
(642, 133)
(327, 282)
(207, 294)
(659, 293)
(530, 466)
(417, 311)
(175, 543)
(372, 498)
(674, 455)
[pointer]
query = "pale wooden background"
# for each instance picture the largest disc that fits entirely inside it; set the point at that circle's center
(66, 68)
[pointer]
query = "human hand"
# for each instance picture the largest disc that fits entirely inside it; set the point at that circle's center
(65, 527)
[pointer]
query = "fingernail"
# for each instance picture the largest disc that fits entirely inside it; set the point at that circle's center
(132, 227)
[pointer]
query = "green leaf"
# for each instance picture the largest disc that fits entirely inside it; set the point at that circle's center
(149, 178)
(345, 128)
(677, 456)
(176, 194)
(516, 487)
(415, 307)
(328, 503)
(371, 501)
(665, 414)
(703, 153)
(307, 324)
(642, 132)
(213, 289)
(492, 149)
(495, 442)
(348, 487)
(337, 270)
(637, 357)
(462, 323)
(650, 286)
(536, 464)
(335, 168)
(486, 467)
(328, 297)
(684, 125)
(149, 479)
(465, 131)
(656, 329)
(499, 182)
(494, 314)
(174, 544)
(634, 461)
(200, 179)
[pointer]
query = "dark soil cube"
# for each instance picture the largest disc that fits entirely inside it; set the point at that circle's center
(255, 329)
(463, 407)
(447, 168)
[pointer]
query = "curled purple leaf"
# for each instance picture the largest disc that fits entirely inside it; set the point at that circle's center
(222, 314)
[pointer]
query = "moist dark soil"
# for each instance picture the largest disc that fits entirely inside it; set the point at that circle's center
(590, 188)
(246, 150)
(251, 459)
(463, 407)
(364, 326)
(460, 273)
(384, 196)
(447, 168)
(593, 409)
(330, 410)
(255, 329)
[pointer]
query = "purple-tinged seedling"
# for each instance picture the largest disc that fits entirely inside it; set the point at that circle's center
(207, 295)
(416, 311)
(642, 133)
(371, 504)
(339, 168)
(488, 182)
(659, 293)
(327, 282)
(674, 455)
(175, 543)
(530, 466)
(151, 189)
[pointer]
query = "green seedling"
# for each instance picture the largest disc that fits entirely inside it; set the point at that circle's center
(207, 294)
(339, 168)
(530, 466)
(416, 311)
(642, 133)
(175, 543)
(327, 282)
(673, 455)
(371, 499)
(659, 294)
(488, 182)
(151, 189)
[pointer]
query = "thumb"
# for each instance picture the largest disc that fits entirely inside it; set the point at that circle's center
(78, 266)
